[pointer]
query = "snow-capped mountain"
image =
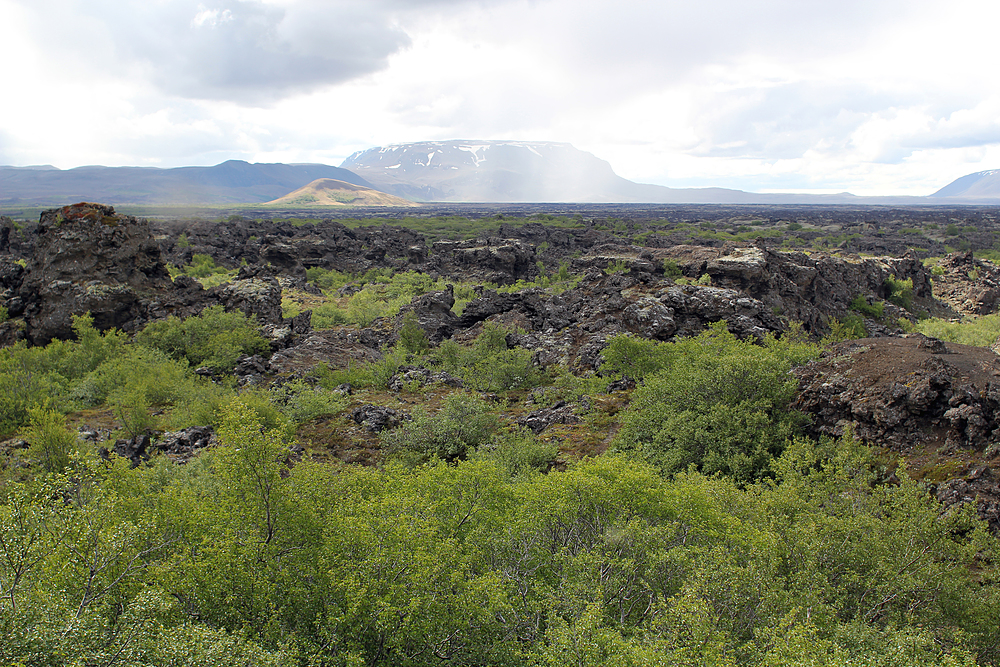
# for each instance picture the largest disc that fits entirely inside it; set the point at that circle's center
(505, 171)
(980, 185)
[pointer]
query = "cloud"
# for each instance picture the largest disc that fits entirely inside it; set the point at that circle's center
(723, 92)
(247, 51)
(244, 51)
(784, 121)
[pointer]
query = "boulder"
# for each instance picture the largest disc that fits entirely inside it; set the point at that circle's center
(377, 418)
(90, 259)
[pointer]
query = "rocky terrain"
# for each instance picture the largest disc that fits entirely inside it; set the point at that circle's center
(933, 402)
(88, 258)
(938, 404)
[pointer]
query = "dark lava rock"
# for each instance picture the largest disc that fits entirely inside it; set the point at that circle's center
(181, 446)
(253, 296)
(407, 376)
(90, 259)
(135, 449)
(539, 420)
(981, 487)
(378, 417)
(905, 393)
(805, 288)
(251, 370)
(338, 348)
(968, 285)
(434, 314)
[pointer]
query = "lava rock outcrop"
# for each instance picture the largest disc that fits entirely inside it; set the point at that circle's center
(905, 393)
(88, 258)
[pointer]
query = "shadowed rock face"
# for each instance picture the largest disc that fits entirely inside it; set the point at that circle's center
(88, 258)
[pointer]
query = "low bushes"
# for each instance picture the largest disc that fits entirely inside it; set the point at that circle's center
(464, 423)
(712, 401)
(214, 338)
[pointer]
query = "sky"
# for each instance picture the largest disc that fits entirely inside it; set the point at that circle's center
(873, 97)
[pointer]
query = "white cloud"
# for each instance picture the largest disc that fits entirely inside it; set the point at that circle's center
(858, 95)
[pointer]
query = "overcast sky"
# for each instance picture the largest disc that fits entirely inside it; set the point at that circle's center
(874, 97)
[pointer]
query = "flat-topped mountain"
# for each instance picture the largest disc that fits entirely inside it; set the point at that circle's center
(510, 171)
(331, 192)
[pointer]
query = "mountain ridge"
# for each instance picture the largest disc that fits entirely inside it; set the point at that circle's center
(459, 171)
(230, 182)
(980, 185)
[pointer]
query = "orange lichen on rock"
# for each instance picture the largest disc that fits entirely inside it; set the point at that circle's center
(87, 211)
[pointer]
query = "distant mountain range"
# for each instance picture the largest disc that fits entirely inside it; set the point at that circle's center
(232, 182)
(429, 171)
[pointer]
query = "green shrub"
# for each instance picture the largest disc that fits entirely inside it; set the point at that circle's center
(518, 451)
(326, 279)
(872, 311)
(363, 374)
(203, 266)
(565, 386)
(463, 295)
(215, 338)
(412, 337)
(634, 357)
(4, 314)
(617, 266)
(200, 404)
(328, 315)
(464, 423)
(451, 356)
(131, 407)
(719, 404)
(900, 291)
(410, 284)
(364, 307)
(37, 376)
(492, 339)
(981, 331)
(22, 389)
(490, 366)
(849, 328)
(50, 442)
(381, 371)
(563, 275)
(150, 372)
(300, 402)
(502, 371)
(262, 410)
(290, 307)
(671, 269)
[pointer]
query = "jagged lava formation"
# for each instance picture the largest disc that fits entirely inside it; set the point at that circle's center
(905, 393)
